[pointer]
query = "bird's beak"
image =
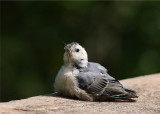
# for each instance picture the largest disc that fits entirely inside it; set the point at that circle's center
(64, 44)
(67, 49)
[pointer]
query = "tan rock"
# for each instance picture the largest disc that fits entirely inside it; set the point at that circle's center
(147, 87)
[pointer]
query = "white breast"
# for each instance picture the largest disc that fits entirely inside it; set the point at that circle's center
(65, 81)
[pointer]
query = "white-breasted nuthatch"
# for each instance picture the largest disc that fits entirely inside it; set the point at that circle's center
(87, 80)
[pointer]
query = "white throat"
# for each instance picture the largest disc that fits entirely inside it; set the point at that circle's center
(83, 63)
(80, 64)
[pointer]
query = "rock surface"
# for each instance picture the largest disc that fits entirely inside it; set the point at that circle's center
(147, 87)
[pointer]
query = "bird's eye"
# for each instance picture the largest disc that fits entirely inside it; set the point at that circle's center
(77, 50)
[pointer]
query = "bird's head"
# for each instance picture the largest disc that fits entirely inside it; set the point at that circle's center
(75, 54)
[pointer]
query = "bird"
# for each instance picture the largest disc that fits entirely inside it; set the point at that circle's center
(87, 81)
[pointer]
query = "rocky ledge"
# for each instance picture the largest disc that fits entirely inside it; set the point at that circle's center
(147, 87)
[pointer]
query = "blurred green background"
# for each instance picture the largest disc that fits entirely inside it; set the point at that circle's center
(122, 36)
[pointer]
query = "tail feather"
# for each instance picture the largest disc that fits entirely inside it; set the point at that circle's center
(124, 94)
(131, 93)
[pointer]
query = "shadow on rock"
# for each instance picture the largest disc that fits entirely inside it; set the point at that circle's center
(75, 98)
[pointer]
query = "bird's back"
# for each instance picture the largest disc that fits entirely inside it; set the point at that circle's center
(95, 80)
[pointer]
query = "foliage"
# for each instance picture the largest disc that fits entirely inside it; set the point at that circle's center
(122, 36)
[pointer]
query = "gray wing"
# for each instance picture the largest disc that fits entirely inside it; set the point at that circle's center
(92, 82)
(99, 82)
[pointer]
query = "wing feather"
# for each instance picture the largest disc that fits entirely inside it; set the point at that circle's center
(96, 80)
(92, 82)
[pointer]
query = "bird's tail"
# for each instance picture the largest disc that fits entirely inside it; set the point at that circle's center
(131, 93)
